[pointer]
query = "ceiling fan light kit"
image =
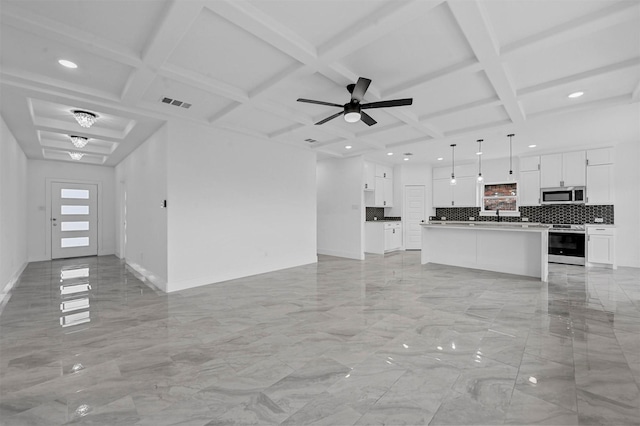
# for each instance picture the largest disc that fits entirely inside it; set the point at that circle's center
(352, 110)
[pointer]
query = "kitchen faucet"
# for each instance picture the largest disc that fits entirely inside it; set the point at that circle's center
(498, 214)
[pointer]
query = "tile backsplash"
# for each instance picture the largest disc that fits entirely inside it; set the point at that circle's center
(569, 214)
(378, 212)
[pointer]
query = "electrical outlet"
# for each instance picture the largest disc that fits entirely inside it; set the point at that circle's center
(525, 219)
(599, 220)
(443, 218)
(472, 218)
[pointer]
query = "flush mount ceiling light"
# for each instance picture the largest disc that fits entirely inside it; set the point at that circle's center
(84, 118)
(480, 178)
(453, 164)
(79, 141)
(352, 113)
(575, 95)
(76, 155)
(68, 64)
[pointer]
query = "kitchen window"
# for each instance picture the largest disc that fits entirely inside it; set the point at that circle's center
(502, 197)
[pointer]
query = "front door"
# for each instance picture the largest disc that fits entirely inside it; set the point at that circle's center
(414, 204)
(74, 220)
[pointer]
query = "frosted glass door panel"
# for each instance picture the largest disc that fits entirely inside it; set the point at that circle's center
(74, 226)
(74, 219)
(81, 210)
(76, 194)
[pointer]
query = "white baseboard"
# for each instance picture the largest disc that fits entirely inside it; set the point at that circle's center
(148, 277)
(339, 253)
(5, 294)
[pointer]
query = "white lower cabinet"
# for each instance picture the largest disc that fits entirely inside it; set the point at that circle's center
(601, 242)
(381, 237)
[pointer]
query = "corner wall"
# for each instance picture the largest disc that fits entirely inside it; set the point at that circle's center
(143, 176)
(13, 207)
(237, 206)
(341, 211)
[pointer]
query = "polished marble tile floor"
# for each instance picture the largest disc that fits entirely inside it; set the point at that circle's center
(342, 342)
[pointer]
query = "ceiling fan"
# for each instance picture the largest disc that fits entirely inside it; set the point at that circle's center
(353, 109)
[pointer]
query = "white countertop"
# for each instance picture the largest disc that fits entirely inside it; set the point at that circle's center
(495, 226)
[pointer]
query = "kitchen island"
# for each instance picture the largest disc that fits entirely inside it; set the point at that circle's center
(508, 247)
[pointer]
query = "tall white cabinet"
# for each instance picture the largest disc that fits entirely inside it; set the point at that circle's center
(529, 181)
(600, 176)
(378, 185)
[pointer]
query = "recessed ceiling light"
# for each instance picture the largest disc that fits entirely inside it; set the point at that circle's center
(479, 153)
(532, 146)
(68, 64)
(440, 158)
(406, 158)
(348, 147)
(576, 94)
(389, 153)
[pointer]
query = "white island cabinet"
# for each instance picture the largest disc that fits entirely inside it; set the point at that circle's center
(511, 248)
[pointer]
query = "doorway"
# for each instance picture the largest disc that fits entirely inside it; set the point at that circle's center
(74, 220)
(414, 208)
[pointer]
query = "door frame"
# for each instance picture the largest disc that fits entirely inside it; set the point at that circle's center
(48, 199)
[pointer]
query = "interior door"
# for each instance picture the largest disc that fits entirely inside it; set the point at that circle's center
(74, 220)
(414, 204)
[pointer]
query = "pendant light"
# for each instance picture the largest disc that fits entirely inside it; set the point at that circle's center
(480, 178)
(453, 164)
(510, 156)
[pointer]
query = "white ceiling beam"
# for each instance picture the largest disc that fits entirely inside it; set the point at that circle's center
(527, 91)
(468, 66)
(598, 20)
(174, 26)
(474, 23)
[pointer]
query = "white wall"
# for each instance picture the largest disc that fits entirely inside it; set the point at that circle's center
(627, 203)
(143, 175)
(411, 174)
(13, 205)
(38, 213)
(341, 207)
(237, 206)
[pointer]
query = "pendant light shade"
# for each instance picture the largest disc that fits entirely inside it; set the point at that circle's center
(480, 178)
(453, 164)
(510, 157)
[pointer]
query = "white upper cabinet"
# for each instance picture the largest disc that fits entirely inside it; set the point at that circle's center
(369, 176)
(567, 169)
(528, 164)
(600, 176)
(529, 188)
(442, 193)
(596, 157)
(465, 192)
(384, 171)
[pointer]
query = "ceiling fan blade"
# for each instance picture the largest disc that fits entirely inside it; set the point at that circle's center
(311, 101)
(367, 119)
(359, 90)
(330, 117)
(386, 104)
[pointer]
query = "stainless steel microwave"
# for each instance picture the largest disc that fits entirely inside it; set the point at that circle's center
(563, 195)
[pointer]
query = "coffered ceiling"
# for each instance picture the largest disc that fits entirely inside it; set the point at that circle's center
(475, 69)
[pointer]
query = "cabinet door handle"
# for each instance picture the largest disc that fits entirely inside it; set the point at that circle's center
(366, 185)
(384, 203)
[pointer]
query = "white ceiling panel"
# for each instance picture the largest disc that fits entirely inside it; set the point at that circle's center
(23, 52)
(63, 142)
(596, 89)
(594, 51)
(218, 49)
(136, 20)
(204, 105)
(255, 120)
(396, 134)
(425, 45)
(516, 20)
(476, 117)
(315, 21)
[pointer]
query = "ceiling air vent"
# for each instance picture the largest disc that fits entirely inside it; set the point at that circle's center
(310, 140)
(175, 102)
